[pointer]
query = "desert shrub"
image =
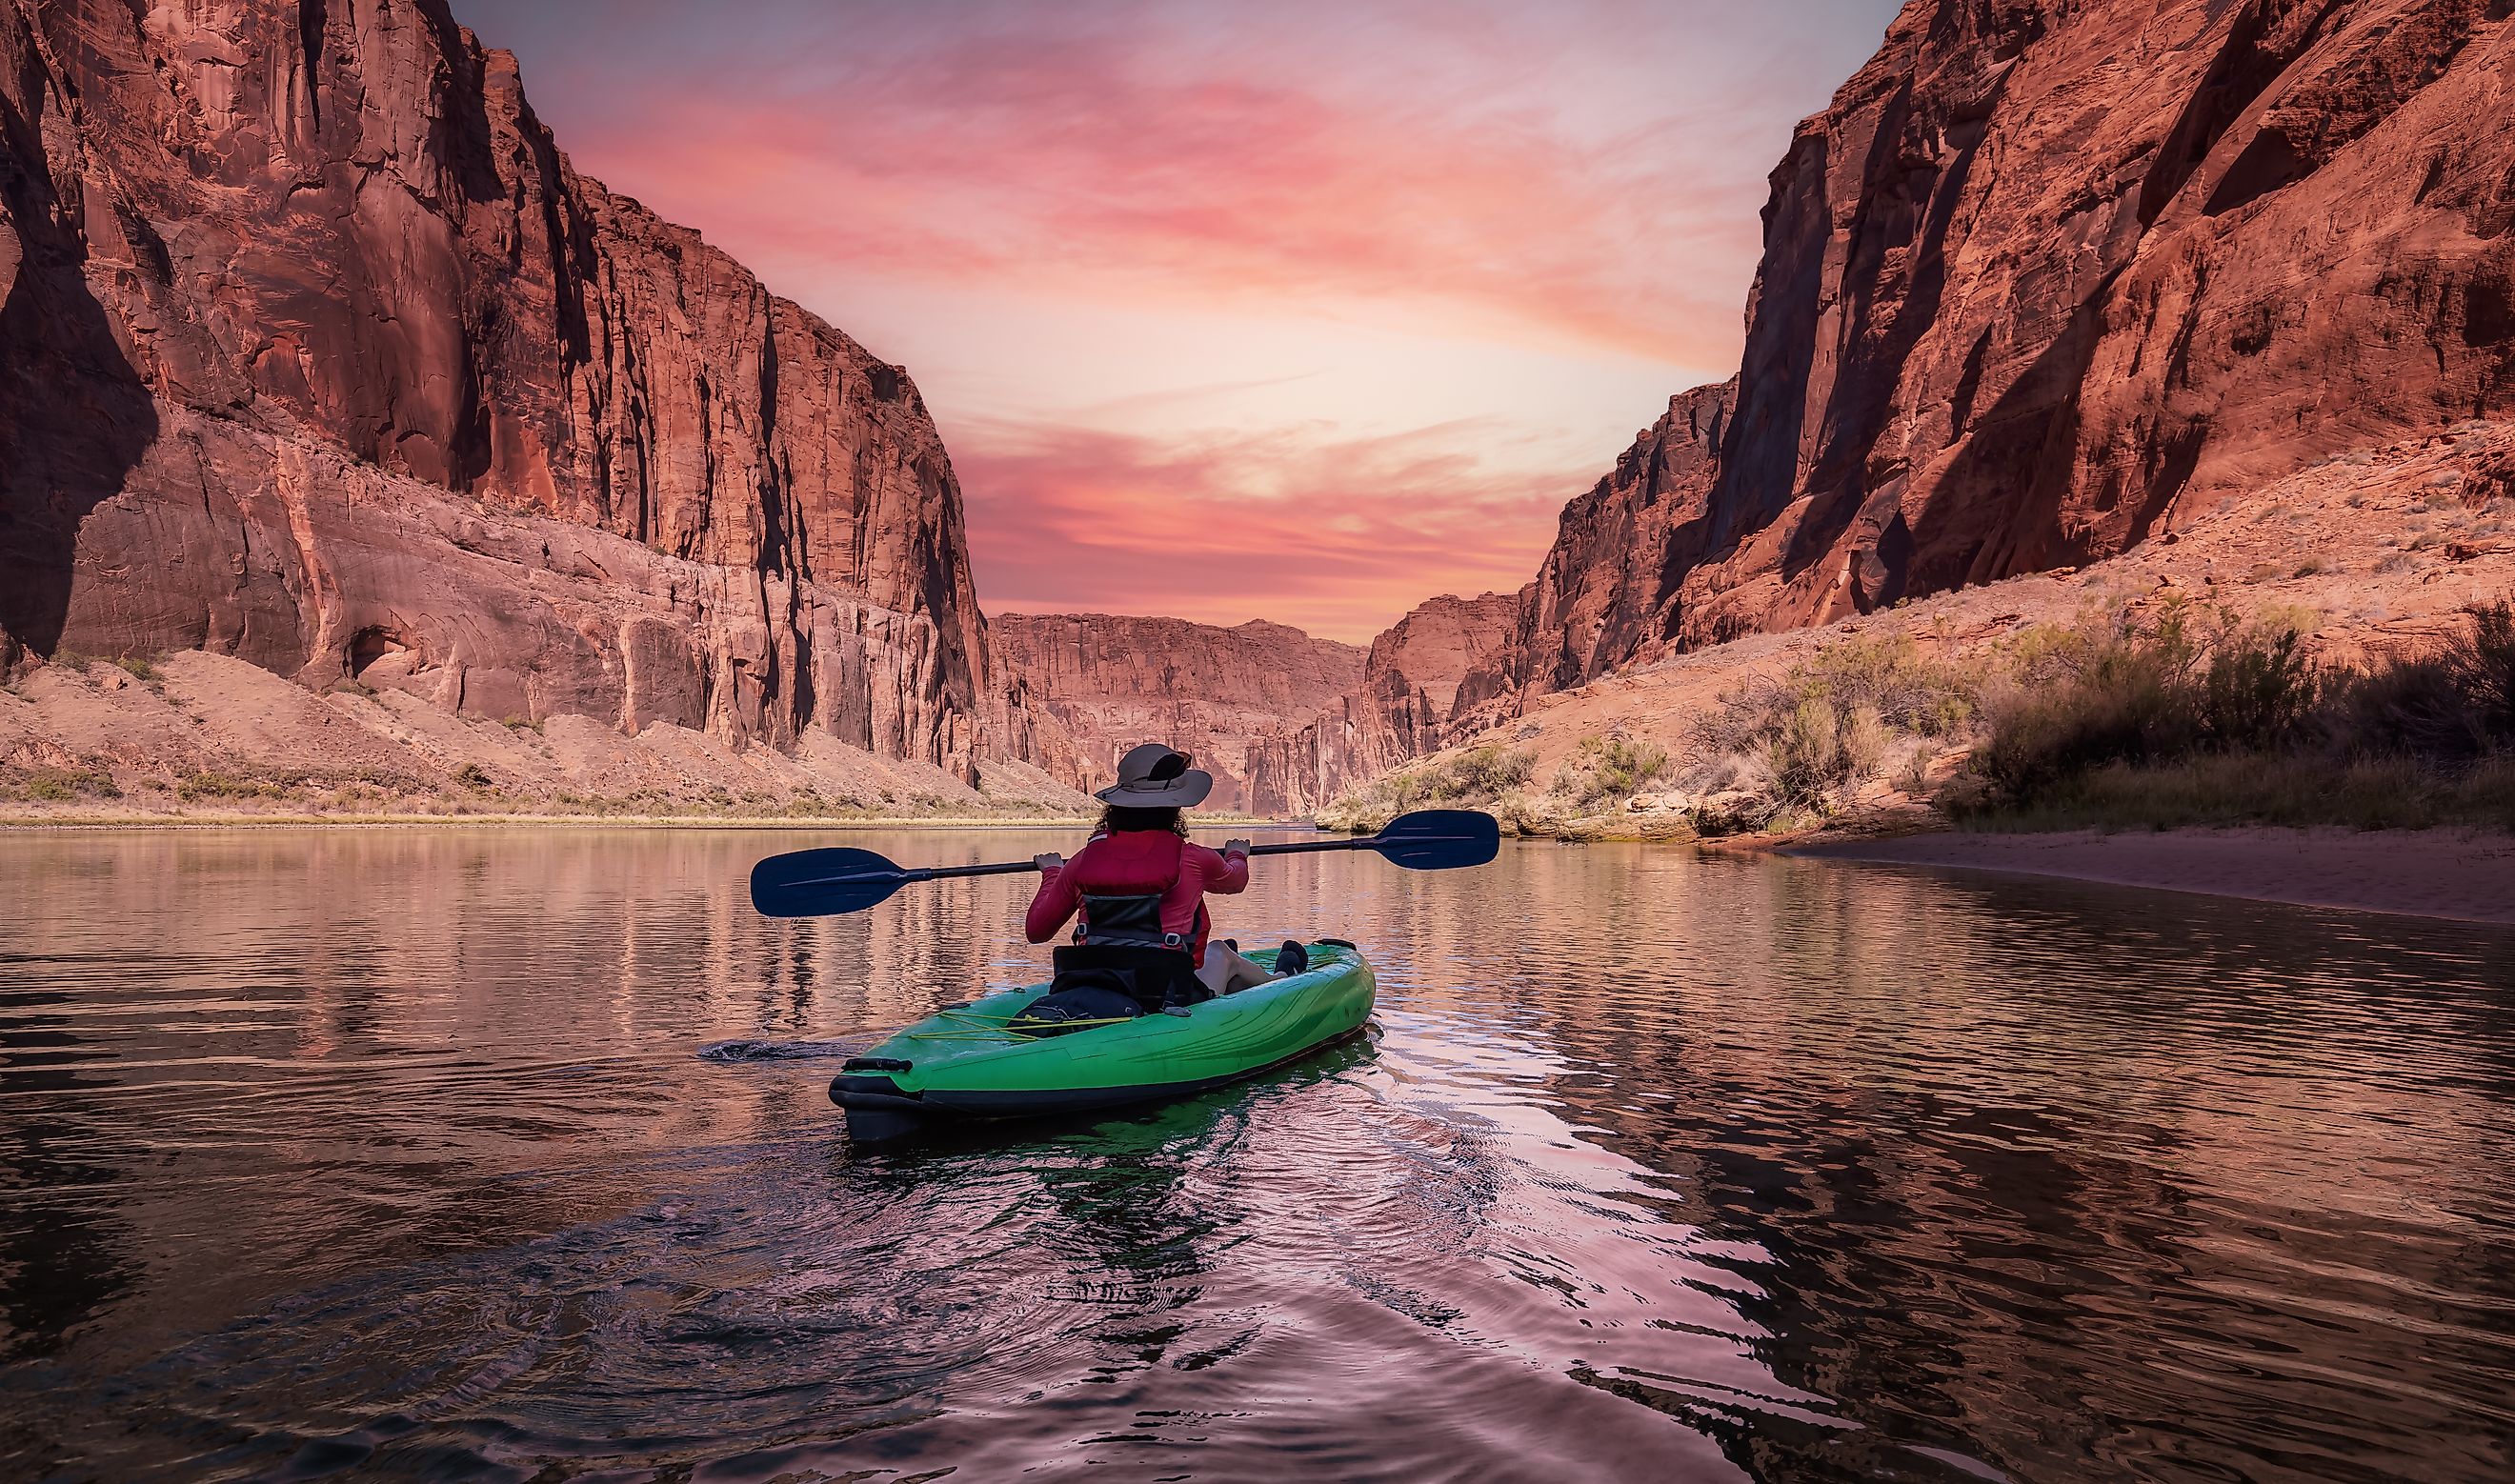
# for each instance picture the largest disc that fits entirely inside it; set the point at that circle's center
(2409, 708)
(2485, 658)
(1602, 769)
(2165, 722)
(1835, 719)
(471, 776)
(2258, 689)
(1480, 777)
(211, 783)
(141, 669)
(2453, 704)
(61, 785)
(2132, 689)
(2288, 788)
(1481, 772)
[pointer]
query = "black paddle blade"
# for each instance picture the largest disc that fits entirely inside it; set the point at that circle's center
(815, 883)
(1438, 840)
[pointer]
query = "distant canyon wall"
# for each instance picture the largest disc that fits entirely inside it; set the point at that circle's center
(1108, 682)
(1441, 662)
(316, 351)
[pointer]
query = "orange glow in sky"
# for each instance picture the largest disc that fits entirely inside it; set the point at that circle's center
(1301, 311)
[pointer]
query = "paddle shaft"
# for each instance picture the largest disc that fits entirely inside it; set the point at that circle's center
(1011, 867)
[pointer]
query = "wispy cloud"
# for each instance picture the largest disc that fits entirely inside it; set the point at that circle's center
(1435, 258)
(1336, 535)
(1079, 167)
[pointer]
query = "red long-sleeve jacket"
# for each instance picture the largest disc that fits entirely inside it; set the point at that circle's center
(1135, 862)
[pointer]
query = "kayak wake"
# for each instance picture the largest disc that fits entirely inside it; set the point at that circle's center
(778, 1050)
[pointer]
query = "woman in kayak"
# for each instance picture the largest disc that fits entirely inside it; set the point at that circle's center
(1141, 883)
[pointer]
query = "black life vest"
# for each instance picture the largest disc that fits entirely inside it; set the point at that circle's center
(1134, 919)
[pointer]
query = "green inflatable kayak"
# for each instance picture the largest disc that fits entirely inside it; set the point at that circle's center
(974, 1061)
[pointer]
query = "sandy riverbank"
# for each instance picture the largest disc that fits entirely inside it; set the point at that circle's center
(2461, 875)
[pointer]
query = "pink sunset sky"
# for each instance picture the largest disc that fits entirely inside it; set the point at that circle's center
(1292, 311)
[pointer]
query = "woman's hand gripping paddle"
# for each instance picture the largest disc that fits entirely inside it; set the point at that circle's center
(819, 882)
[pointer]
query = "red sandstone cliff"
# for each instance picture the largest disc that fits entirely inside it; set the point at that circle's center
(1438, 662)
(2051, 277)
(316, 351)
(1603, 597)
(2048, 279)
(1111, 681)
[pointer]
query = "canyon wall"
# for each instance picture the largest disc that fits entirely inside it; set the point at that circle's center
(1604, 595)
(316, 351)
(2049, 278)
(1110, 682)
(1441, 662)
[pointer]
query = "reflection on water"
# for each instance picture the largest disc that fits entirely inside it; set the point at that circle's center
(395, 1154)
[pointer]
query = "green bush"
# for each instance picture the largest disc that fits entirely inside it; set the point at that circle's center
(2290, 788)
(216, 785)
(2131, 690)
(2259, 690)
(61, 785)
(1481, 772)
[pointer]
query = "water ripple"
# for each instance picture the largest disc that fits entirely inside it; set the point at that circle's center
(505, 1155)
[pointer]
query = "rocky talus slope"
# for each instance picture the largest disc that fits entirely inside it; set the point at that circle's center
(2376, 550)
(1110, 682)
(317, 354)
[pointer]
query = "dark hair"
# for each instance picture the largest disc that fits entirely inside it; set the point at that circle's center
(1117, 817)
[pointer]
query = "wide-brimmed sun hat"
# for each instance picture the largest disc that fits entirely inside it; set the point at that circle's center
(1156, 777)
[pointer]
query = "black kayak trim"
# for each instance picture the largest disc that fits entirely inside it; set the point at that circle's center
(879, 1113)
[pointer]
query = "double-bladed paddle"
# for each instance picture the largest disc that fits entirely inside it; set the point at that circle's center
(838, 879)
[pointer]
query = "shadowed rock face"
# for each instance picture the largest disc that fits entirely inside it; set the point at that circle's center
(1605, 593)
(1111, 681)
(2048, 279)
(318, 353)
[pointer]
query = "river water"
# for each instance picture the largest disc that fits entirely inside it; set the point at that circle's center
(506, 1154)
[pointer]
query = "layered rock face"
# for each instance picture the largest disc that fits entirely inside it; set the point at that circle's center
(317, 352)
(2051, 277)
(1111, 681)
(1422, 677)
(1605, 592)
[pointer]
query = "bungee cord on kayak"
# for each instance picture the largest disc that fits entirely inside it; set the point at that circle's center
(1146, 1003)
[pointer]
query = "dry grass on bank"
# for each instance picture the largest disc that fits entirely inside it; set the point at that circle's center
(2127, 718)
(41, 793)
(2181, 719)
(1806, 743)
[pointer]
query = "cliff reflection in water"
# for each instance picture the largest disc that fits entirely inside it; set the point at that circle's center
(2084, 1179)
(399, 1146)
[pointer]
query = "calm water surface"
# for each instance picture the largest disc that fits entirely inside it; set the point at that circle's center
(422, 1154)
